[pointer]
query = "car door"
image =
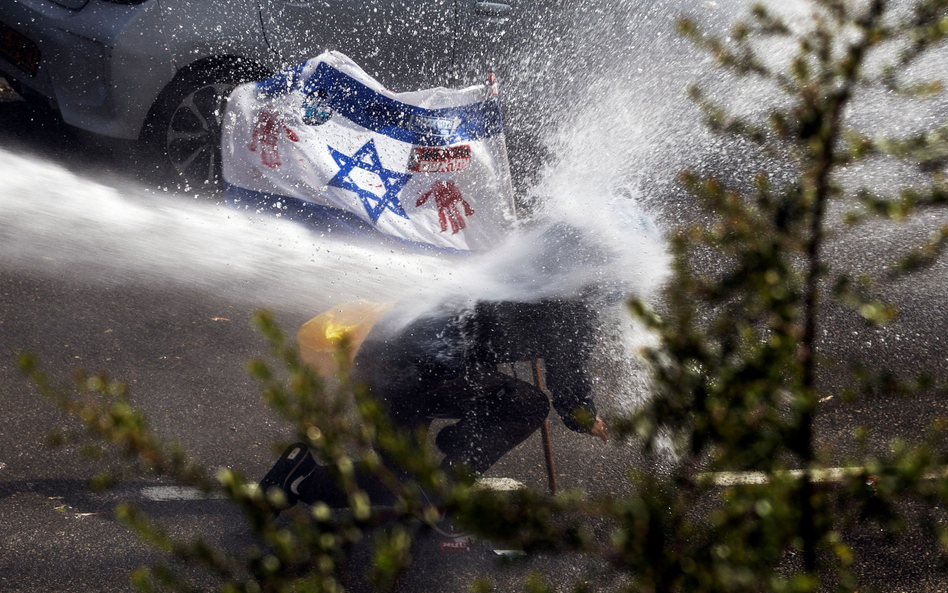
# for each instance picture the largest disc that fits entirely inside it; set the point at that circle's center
(405, 44)
(197, 29)
(484, 30)
(511, 38)
(485, 39)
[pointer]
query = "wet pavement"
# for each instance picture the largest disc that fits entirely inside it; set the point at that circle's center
(182, 353)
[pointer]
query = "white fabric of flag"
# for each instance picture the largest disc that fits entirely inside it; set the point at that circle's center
(326, 143)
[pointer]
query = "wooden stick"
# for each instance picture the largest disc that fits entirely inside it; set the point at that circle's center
(545, 432)
(493, 89)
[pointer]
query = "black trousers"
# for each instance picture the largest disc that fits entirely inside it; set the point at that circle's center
(494, 412)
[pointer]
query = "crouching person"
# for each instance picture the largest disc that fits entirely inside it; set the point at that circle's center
(444, 365)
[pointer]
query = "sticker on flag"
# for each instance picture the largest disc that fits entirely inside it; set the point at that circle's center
(326, 143)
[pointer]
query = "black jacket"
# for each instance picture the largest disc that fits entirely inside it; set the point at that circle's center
(400, 361)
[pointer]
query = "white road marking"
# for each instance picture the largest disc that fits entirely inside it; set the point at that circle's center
(827, 475)
(499, 484)
(830, 474)
(169, 493)
(172, 493)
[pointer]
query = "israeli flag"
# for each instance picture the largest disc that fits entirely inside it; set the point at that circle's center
(326, 143)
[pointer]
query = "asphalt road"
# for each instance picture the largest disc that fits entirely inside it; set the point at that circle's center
(182, 352)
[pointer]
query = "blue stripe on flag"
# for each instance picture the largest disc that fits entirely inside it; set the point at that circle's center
(383, 115)
(335, 221)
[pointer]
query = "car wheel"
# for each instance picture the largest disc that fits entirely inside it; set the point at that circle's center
(192, 136)
(184, 126)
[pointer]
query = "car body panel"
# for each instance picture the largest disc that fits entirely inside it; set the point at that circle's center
(73, 4)
(199, 29)
(85, 55)
(103, 65)
(484, 26)
(497, 35)
(404, 44)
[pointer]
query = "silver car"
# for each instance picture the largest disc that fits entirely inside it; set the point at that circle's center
(160, 70)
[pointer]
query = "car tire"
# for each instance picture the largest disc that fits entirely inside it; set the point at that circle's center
(184, 126)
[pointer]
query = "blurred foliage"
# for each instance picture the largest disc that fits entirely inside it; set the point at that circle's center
(734, 369)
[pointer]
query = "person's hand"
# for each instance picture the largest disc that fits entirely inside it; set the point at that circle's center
(600, 430)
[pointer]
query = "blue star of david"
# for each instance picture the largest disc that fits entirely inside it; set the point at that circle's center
(367, 159)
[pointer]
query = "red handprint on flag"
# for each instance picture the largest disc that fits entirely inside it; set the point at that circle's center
(266, 132)
(447, 196)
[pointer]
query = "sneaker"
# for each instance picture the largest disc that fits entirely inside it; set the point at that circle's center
(289, 472)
